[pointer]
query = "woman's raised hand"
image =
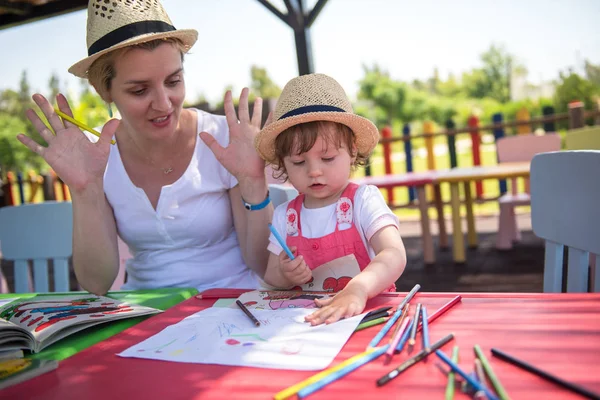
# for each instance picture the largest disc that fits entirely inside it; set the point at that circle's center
(239, 157)
(76, 160)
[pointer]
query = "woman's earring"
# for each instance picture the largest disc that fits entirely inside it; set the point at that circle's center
(110, 112)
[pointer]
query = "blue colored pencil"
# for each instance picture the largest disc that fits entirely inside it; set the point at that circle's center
(478, 387)
(375, 341)
(281, 241)
(425, 324)
(334, 376)
(404, 337)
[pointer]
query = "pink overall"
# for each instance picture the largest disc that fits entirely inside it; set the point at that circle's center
(338, 244)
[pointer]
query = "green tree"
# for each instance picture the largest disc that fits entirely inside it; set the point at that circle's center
(592, 72)
(573, 87)
(262, 85)
(54, 85)
(493, 79)
(387, 95)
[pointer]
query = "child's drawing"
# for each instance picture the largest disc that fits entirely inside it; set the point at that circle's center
(227, 336)
(276, 300)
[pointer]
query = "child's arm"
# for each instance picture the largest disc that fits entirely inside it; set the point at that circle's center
(284, 273)
(385, 268)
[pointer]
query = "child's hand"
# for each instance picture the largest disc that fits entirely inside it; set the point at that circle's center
(349, 302)
(296, 271)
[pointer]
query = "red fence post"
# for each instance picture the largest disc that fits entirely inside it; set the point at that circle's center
(473, 122)
(386, 133)
(9, 198)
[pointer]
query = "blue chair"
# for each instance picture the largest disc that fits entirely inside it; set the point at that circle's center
(39, 232)
(565, 193)
(281, 193)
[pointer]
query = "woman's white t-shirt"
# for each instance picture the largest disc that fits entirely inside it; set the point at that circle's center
(190, 239)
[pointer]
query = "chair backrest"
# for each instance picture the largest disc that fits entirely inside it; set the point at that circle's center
(565, 211)
(524, 147)
(587, 138)
(38, 232)
(281, 193)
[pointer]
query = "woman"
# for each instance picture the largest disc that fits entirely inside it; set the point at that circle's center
(193, 213)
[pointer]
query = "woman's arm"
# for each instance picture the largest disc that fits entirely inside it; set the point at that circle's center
(81, 165)
(242, 161)
(252, 227)
(95, 251)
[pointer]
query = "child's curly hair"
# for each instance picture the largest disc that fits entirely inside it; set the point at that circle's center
(301, 138)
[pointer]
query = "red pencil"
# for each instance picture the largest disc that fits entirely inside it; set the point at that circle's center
(441, 311)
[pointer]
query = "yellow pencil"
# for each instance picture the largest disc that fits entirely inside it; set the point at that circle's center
(79, 124)
(292, 390)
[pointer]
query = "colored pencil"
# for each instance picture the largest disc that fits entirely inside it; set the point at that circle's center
(396, 339)
(292, 390)
(375, 341)
(490, 373)
(440, 311)
(412, 361)
(368, 318)
(425, 325)
(478, 369)
(404, 337)
(368, 324)
(334, 376)
(79, 124)
(397, 334)
(248, 313)
(378, 311)
(545, 375)
(281, 241)
(413, 332)
(450, 387)
(476, 385)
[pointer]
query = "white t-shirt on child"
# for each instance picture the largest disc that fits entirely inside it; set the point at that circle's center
(371, 213)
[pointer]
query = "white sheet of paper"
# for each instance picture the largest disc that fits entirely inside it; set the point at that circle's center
(226, 336)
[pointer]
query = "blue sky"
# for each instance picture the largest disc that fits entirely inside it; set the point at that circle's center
(407, 38)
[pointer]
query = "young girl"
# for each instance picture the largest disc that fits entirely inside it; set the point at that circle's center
(344, 237)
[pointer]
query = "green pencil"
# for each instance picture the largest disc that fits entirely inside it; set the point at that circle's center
(490, 373)
(371, 323)
(451, 381)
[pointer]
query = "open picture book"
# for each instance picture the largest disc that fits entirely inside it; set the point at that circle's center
(35, 323)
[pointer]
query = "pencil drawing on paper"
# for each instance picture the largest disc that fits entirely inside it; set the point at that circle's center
(226, 336)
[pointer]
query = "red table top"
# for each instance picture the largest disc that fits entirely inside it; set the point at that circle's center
(559, 333)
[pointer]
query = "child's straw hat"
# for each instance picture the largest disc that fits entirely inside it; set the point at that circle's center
(314, 97)
(114, 24)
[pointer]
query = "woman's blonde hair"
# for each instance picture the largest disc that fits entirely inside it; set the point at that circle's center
(301, 138)
(102, 71)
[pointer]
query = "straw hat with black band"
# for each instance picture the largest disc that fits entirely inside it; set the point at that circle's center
(114, 24)
(314, 97)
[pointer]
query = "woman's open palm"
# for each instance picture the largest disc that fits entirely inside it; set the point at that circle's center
(75, 159)
(239, 157)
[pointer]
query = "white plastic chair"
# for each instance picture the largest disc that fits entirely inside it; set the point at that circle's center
(517, 149)
(565, 211)
(280, 193)
(38, 232)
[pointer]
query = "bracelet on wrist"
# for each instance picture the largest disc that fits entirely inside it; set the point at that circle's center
(259, 206)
